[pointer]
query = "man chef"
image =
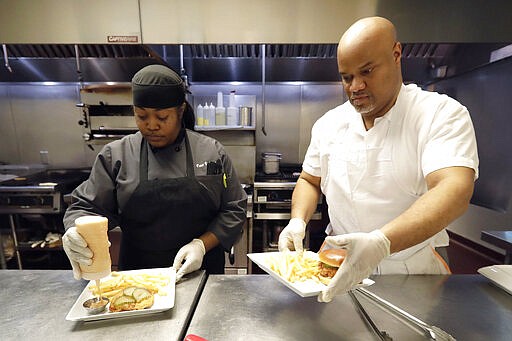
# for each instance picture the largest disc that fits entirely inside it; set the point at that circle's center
(396, 164)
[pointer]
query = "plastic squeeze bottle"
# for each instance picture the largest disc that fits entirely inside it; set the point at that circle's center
(232, 112)
(220, 111)
(212, 114)
(94, 231)
(200, 115)
(206, 114)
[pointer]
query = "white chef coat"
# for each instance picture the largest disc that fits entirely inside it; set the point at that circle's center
(371, 177)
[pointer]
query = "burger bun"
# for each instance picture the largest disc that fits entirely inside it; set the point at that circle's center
(332, 257)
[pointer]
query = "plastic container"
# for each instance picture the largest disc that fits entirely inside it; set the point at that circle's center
(232, 111)
(200, 115)
(220, 111)
(94, 230)
(211, 114)
(270, 162)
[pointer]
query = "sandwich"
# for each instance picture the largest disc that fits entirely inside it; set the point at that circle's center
(329, 262)
(132, 298)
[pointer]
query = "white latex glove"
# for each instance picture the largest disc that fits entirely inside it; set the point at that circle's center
(192, 253)
(77, 251)
(364, 253)
(292, 235)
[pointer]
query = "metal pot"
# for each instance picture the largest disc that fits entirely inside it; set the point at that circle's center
(270, 162)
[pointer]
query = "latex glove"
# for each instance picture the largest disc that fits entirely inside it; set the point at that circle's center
(364, 253)
(192, 253)
(77, 251)
(292, 235)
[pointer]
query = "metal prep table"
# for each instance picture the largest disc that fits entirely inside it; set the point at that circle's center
(257, 307)
(35, 304)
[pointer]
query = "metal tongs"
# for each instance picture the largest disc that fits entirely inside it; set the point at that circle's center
(430, 332)
(380, 333)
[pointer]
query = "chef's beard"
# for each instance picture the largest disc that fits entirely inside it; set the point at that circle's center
(365, 108)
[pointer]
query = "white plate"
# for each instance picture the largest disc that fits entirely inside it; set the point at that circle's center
(161, 303)
(500, 275)
(304, 289)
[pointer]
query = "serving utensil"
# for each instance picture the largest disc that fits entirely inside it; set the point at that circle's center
(429, 331)
(380, 333)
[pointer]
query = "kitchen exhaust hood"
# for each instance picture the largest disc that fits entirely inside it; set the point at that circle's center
(422, 62)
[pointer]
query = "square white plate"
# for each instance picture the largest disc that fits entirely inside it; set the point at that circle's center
(161, 303)
(500, 275)
(304, 289)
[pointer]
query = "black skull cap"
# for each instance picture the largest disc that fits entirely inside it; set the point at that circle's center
(157, 86)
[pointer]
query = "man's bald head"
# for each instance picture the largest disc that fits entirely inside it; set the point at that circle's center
(369, 65)
(372, 31)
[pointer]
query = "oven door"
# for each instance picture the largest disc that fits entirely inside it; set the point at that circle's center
(236, 260)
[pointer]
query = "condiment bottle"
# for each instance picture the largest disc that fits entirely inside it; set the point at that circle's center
(220, 111)
(93, 230)
(212, 114)
(232, 111)
(206, 114)
(200, 115)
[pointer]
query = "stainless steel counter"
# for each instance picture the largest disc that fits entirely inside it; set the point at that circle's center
(257, 307)
(35, 304)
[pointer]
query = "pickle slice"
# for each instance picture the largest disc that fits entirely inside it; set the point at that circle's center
(124, 300)
(129, 291)
(141, 293)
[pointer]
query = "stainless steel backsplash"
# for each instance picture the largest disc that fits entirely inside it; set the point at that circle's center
(37, 117)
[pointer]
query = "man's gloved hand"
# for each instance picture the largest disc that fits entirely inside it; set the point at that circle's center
(292, 235)
(192, 253)
(77, 251)
(364, 253)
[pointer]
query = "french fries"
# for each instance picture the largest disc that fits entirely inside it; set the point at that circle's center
(155, 283)
(295, 267)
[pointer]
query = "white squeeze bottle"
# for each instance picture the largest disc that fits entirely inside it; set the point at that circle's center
(220, 111)
(232, 111)
(200, 115)
(94, 231)
(212, 114)
(206, 114)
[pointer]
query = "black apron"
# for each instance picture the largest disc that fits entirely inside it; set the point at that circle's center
(162, 215)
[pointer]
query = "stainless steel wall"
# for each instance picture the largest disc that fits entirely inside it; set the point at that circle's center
(486, 94)
(35, 117)
(291, 108)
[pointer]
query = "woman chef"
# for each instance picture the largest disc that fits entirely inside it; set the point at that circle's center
(173, 192)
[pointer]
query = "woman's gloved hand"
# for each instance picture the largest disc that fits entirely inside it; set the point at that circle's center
(292, 235)
(189, 258)
(364, 253)
(77, 251)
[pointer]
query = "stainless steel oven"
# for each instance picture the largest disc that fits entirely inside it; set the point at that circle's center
(34, 205)
(272, 210)
(236, 262)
